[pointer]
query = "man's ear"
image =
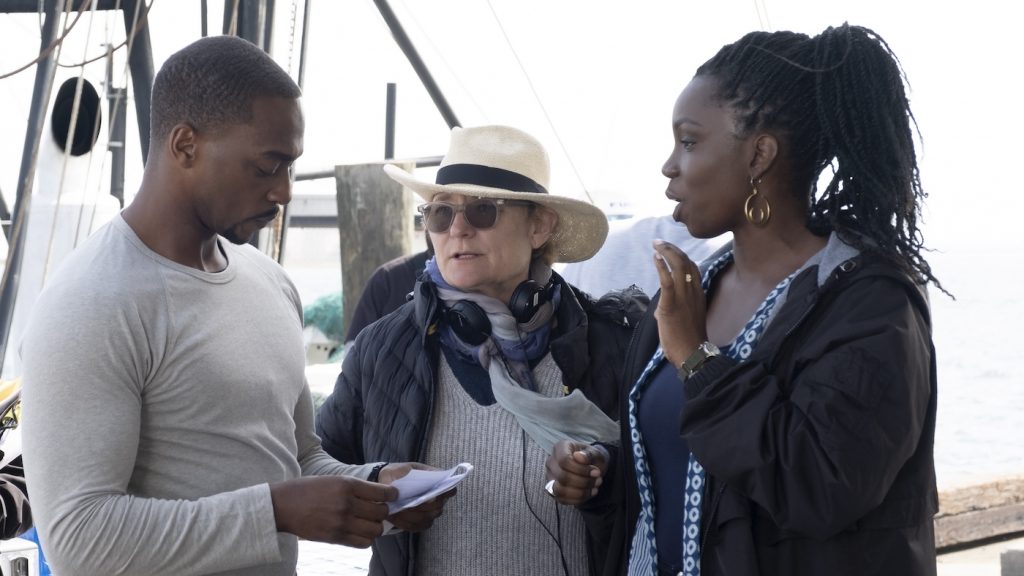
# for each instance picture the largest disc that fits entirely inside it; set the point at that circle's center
(183, 143)
(544, 222)
(764, 154)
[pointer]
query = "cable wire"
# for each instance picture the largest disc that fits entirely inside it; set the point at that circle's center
(68, 143)
(762, 15)
(141, 23)
(547, 117)
(444, 61)
(557, 538)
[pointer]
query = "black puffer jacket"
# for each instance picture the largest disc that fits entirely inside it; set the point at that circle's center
(383, 399)
(819, 447)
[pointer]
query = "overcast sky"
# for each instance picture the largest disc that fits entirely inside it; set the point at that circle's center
(595, 80)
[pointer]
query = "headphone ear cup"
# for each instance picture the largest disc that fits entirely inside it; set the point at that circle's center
(469, 322)
(526, 298)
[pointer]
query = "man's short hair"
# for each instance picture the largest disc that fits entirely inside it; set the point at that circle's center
(213, 82)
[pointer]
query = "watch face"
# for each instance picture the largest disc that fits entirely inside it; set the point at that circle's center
(704, 351)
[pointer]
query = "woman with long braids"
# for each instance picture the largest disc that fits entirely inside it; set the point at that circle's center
(782, 415)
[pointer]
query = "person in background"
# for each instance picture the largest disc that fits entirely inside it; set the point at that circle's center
(168, 427)
(494, 360)
(622, 261)
(388, 287)
(782, 419)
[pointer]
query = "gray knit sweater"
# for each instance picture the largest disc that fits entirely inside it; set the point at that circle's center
(159, 402)
(489, 527)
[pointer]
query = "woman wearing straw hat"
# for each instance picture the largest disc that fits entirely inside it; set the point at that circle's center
(494, 360)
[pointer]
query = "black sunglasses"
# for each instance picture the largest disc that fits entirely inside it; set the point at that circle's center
(481, 213)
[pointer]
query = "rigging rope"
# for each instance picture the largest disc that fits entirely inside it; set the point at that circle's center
(233, 27)
(440, 56)
(53, 45)
(106, 54)
(541, 104)
(68, 143)
(760, 8)
(108, 86)
(139, 24)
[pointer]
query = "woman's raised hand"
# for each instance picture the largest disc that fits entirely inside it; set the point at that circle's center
(682, 308)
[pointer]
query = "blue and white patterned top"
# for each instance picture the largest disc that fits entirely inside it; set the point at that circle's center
(643, 555)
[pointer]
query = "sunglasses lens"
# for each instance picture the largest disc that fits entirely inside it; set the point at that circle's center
(482, 213)
(438, 217)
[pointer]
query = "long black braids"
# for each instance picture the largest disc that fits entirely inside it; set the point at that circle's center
(838, 101)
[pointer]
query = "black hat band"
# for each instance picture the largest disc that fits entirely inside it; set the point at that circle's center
(488, 176)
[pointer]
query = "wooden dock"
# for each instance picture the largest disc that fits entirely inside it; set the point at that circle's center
(980, 512)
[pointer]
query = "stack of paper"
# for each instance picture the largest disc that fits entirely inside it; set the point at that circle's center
(419, 486)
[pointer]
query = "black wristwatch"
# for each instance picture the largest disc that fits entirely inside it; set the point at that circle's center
(704, 352)
(375, 472)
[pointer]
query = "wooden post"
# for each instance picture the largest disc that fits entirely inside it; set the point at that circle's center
(375, 224)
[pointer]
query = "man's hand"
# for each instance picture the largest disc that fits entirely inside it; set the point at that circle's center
(420, 517)
(577, 469)
(334, 509)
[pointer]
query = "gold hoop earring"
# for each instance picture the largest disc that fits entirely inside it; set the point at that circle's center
(755, 215)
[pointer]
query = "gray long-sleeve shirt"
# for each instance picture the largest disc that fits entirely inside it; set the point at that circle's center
(159, 403)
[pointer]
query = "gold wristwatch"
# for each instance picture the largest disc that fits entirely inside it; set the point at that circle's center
(704, 352)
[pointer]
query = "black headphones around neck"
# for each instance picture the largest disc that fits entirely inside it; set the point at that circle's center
(470, 323)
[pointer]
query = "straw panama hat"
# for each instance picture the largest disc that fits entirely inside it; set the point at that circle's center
(504, 162)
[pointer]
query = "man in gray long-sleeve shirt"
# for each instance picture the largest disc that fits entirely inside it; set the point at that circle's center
(168, 428)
